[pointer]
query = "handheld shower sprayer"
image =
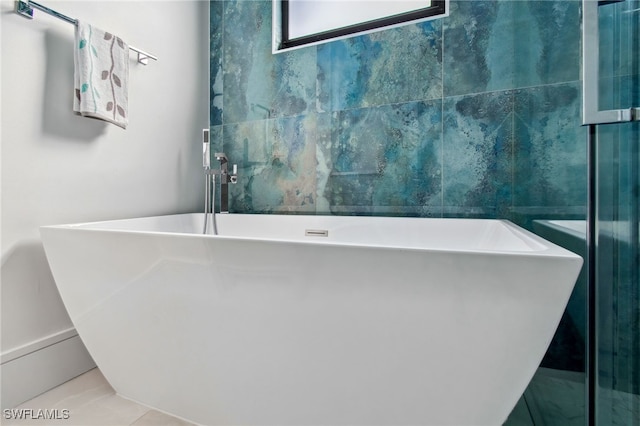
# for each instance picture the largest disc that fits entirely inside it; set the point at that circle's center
(210, 182)
(206, 151)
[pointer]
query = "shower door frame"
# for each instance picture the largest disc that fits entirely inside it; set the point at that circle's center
(591, 113)
(593, 117)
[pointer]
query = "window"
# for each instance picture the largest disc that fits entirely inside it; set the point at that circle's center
(300, 23)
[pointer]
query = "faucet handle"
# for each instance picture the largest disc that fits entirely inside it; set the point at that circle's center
(221, 157)
(234, 176)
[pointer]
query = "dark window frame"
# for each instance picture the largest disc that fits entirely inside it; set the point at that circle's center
(437, 8)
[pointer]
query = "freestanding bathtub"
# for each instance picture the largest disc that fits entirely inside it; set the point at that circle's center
(314, 320)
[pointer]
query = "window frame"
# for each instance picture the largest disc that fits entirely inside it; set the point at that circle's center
(282, 42)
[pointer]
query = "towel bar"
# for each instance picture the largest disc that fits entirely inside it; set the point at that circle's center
(25, 8)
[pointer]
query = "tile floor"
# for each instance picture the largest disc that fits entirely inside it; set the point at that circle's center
(91, 402)
(520, 416)
(557, 398)
(553, 398)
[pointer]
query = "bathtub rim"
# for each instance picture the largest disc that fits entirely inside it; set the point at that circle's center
(549, 249)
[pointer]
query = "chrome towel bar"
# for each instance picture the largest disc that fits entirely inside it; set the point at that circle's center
(25, 8)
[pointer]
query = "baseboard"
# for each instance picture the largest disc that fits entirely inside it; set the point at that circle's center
(37, 367)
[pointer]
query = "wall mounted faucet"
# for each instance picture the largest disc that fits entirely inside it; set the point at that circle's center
(225, 180)
(210, 182)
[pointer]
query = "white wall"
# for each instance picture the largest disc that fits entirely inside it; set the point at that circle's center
(60, 168)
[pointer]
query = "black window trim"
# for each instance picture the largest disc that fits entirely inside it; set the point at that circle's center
(438, 7)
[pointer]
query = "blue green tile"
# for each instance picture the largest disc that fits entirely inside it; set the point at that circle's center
(215, 63)
(386, 159)
(547, 41)
(618, 92)
(467, 33)
(215, 141)
(258, 84)
(391, 66)
(324, 143)
(276, 164)
(619, 39)
(550, 157)
(415, 120)
(502, 53)
(504, 44)
(477, 154)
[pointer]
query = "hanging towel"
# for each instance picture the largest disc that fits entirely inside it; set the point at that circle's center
(101, 75)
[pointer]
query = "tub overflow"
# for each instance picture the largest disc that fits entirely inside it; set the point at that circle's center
(316, 233)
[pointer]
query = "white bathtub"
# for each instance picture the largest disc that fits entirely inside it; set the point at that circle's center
(384, 321)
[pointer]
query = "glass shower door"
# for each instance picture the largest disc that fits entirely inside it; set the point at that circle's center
(611, 96)
(616, 392)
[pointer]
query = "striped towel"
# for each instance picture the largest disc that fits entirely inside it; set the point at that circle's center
(101, 75)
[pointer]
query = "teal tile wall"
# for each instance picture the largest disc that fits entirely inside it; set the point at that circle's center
(476, 114)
